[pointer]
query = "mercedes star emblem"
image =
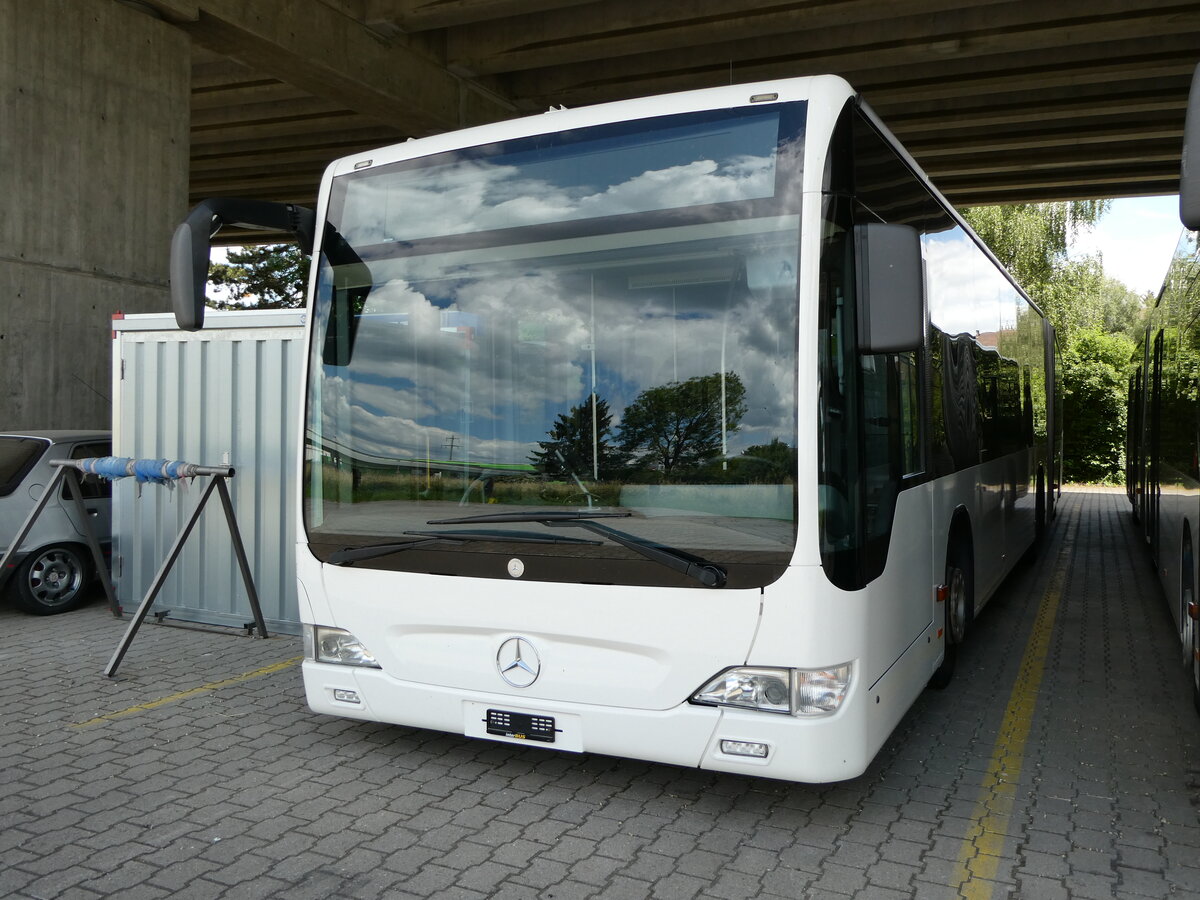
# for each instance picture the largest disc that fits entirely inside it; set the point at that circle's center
(518, 662)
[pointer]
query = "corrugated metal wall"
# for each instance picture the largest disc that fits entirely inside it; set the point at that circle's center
(228, 394)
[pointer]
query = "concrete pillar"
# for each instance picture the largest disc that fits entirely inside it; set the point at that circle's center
(94, 115)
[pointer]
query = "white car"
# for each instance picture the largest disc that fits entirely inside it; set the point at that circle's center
(53, 566)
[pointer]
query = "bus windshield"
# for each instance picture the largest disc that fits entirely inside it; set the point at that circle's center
(600, 321)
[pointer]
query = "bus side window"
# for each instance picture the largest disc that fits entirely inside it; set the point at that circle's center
(891, 432)
(908, 377)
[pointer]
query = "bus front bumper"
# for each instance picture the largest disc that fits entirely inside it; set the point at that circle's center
(812, 750)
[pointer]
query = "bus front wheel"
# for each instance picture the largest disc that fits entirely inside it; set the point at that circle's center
(957, 609)
(1189, 613)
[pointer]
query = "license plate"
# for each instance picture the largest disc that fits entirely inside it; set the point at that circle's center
(520, 726)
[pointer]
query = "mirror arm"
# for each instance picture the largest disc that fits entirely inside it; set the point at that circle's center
(192, 242)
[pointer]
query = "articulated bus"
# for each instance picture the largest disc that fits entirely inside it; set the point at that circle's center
(1163, 468)
(1162, 450)
(695, 429)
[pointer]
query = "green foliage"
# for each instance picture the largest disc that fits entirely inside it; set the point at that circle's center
(1095, 375)
(1031, 240)
(570, 448)
(1071, 298)
(266, 276)
(678, 426)
(1121, 310)
(771, 463)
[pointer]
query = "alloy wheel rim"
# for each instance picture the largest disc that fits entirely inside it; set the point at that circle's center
(55, 577)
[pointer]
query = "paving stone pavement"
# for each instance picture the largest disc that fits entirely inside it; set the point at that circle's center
(231, 788)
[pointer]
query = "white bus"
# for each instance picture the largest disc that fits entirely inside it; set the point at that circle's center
(1163, 437)
(694, 429)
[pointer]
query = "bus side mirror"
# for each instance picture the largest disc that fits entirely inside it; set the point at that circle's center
(192, 241)
(891, 289)
(1189, 168)
(189, 268)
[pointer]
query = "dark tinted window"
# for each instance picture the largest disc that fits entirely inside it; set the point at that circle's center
(94, 487)
(17, 457)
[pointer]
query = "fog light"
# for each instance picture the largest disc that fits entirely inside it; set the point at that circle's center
(744, 748)
(346, 696)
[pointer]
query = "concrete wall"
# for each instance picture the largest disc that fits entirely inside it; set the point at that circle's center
(94, 114)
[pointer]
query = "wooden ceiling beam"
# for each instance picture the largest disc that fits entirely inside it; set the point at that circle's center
(329, 54)
(1020, 139)
(228, 145)
(899, 42)
(1094, 79)
(1062, 186)
(998, 99)
(311, 108)
(289, 129)
(630, 27)
(424, 15)
(244, 94)
(988, 165)
(1033, 117)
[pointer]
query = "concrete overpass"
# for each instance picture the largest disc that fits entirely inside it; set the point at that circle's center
(116, 115)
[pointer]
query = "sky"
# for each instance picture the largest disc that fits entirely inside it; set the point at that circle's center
(1136, 239)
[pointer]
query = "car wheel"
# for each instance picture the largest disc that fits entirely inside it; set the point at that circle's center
(52, 580)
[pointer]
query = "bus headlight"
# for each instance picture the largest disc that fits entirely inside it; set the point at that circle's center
(335, 645)
(768, 690)
(803, 692)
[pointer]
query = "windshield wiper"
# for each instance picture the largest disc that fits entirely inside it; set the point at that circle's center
(372, 551)
(546, 516)
(706, 573)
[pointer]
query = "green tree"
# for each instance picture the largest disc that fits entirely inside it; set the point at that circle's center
(773, 463)
(1031, 240)
(1071, 299)
(1121, 310)
(1095, 376)
(264, 276)
(679, 426)
(570, 448)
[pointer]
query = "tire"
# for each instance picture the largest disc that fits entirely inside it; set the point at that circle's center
(1187, 576)
(1195, 652)
(958, 609)
(51, 580)
(1040, 510)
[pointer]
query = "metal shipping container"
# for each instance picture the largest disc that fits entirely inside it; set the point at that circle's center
(226, 395)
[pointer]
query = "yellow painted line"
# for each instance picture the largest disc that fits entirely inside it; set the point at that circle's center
(983, 846)
(184, 695)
